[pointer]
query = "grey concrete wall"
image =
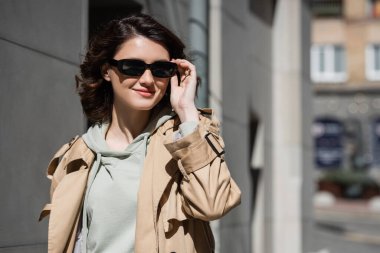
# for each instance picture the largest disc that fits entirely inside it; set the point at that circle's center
(261, 103)
(173, 14)
(247, 71)
(235, 228)
(40, 46)
(291, 123)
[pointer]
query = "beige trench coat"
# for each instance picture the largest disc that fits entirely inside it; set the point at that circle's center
(184, 185)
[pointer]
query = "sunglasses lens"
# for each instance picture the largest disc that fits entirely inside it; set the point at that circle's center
(163, 69)
(132, 67)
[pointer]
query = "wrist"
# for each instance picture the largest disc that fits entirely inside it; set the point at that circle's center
(188, 114)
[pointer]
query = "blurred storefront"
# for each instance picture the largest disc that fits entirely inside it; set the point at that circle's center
(345, 75)
(345, 71)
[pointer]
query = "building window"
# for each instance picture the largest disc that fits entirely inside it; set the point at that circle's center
(328, 63)
(373, 62)
(373, 8)
(327, 8)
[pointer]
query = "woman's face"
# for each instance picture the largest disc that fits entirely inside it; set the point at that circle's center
(138, 92)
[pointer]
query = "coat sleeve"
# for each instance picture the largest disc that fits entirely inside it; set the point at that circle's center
(207, 189)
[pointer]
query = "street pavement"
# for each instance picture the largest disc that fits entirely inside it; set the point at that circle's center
(347, 226)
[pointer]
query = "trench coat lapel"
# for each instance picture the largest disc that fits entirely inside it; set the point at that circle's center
(153, 183)
(67, 200)
(163, 171)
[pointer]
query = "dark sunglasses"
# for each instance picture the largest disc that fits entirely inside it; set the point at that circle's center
(132, 67)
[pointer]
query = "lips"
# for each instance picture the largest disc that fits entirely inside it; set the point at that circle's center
(144, 92)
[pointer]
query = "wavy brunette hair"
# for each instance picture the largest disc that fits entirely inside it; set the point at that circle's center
(95, 93)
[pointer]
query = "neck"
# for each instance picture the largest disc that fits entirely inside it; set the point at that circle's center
(126, 124)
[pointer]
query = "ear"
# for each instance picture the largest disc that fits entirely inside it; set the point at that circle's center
(105, 69)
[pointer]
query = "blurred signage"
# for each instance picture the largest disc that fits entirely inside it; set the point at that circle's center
(328, 141)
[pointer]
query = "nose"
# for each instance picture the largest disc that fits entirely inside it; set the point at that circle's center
(147, 78)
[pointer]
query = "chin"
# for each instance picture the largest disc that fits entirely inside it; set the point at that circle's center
(144, 106)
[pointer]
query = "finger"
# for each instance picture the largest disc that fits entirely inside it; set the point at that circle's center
(184, 66)
(189, 78)
(187, 71)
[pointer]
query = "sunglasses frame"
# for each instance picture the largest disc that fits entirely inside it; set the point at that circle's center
(119, 65)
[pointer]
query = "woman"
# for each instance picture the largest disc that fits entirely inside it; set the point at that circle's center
(149, 173)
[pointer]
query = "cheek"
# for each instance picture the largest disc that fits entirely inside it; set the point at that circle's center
(162, 85)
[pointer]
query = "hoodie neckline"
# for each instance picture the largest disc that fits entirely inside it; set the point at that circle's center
(95, 135)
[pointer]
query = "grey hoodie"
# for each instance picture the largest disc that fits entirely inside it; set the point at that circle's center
(109, 212)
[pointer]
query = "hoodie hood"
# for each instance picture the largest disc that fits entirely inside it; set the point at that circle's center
(95, 136)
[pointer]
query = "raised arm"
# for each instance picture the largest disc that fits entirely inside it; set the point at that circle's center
(208, 191)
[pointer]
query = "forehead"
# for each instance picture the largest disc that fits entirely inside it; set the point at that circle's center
(140, 47)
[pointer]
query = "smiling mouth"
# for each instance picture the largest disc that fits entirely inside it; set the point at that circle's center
(145, 93)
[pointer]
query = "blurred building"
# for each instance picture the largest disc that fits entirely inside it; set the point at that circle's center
(345, 71)
(253, 56)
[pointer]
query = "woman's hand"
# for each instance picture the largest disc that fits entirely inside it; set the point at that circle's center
(182, 97)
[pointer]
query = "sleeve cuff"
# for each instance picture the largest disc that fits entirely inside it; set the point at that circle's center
(193, 151)
(187, 128)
